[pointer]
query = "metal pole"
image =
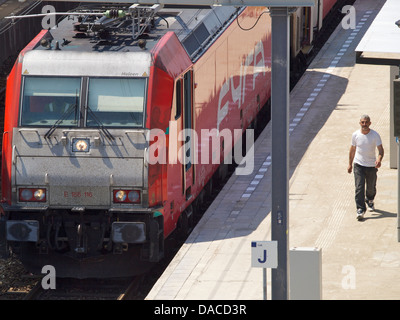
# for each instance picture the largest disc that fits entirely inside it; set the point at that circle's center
(398, 189)
(394, 105)
(280, 148)
(265, 283)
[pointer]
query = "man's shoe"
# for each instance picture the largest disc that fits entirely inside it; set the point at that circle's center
(370, 204)
(360, 214)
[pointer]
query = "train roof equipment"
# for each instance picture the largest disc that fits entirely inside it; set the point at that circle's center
(258, 3)
(129, 28)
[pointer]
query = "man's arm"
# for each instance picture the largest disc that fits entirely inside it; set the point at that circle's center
(352, 153)
(378, 161)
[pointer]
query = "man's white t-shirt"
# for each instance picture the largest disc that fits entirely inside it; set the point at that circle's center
(365, 147)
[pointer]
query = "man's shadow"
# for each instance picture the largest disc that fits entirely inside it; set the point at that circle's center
(379, 214)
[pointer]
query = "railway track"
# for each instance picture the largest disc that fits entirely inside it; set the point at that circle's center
(89, 289)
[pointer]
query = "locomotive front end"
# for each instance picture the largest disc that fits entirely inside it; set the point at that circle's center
(78, 173)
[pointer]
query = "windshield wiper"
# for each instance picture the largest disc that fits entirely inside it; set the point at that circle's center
(100, 124)
(64, 116)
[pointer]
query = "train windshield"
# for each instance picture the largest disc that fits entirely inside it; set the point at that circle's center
(116, 102)
(50, 100)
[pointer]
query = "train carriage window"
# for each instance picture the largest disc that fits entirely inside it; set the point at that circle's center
(187, 100)
(47, 100)
(116, 102)
(178, 94)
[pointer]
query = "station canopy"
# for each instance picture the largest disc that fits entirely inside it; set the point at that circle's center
(261, 3)
(381, 43)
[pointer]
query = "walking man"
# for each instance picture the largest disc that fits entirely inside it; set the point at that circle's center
(366, 164)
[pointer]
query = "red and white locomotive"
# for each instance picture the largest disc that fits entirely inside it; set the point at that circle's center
(90, 105)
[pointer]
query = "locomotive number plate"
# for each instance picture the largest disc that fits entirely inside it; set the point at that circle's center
(78, 194)
(83, 196)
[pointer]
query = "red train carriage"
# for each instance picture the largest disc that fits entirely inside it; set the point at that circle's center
(115, 124)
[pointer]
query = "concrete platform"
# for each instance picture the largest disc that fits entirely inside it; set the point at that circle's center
(360, 260)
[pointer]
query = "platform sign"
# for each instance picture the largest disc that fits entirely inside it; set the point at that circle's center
(264, 254)
(261, 3)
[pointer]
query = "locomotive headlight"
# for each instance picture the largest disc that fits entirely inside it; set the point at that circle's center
(126, 196)
(39, 194)
(80, 145)
(32, 195)
(120, 196)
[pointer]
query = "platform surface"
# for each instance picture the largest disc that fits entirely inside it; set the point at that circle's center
(360, 260)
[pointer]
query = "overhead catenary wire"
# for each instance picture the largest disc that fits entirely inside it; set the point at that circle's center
(248, 29)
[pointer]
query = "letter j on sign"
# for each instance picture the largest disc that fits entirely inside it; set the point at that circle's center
(264, 254)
